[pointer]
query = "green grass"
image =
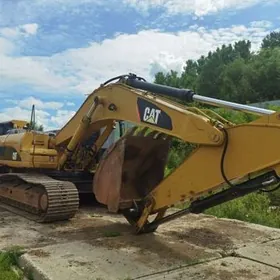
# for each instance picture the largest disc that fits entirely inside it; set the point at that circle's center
(111, 233)
(253, 208)
(8, 259)
(275, 198)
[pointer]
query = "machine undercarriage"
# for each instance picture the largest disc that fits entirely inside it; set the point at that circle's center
(38, 197)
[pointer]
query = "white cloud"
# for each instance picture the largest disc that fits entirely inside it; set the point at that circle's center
(145, 52)
(9, 32)
(261, 24)
(6, 47)
(67, 2)
(62, 117)
(165, 61)
(81, 70)
(21, 30)
(198, 7)
(37, 72)
(39, 104)
(30, 28)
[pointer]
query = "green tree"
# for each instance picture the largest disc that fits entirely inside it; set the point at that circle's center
(243, 49)
(160, 78)
(232, 72)
(272, 40)
(266, 82)
(237, 82)
(35, 126)
(189, 75)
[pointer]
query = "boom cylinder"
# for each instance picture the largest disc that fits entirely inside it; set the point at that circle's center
(182, 94)
(188, 95)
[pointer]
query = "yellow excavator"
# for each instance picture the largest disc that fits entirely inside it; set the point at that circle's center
(44, 173)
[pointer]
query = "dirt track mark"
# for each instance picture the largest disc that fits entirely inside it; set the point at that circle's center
(221, 274)
(39, 253)
(204, 237)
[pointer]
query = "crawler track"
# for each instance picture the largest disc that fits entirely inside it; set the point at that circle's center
(38, 197)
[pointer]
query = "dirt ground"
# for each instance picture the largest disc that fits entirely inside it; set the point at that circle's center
(98, 245)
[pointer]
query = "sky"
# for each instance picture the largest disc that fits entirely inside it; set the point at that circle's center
(55, 52)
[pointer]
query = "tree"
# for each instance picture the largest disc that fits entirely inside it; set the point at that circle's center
(160, 78)
(237, 82)
(232, 72)
(189, 75)
(266, 81)
(272, 40)
(243, 49)
(35, 126)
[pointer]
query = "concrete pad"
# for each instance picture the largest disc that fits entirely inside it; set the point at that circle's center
(15, 230)
(78, 260)
(222, 235)
(229, 268)
(98, 244)
(201, 231)
(268, 253)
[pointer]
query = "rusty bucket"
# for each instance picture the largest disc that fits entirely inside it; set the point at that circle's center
(129, 170)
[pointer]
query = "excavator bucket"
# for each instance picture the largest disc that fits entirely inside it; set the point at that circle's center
(130, 169)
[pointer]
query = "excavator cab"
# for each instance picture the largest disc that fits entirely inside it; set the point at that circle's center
(11, 126)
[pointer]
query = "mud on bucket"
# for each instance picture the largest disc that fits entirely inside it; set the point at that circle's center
(130, 169)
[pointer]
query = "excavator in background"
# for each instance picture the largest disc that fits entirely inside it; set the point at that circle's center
(43, 174)
(12, 126)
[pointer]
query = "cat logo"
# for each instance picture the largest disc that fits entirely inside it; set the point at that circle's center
(151, 115)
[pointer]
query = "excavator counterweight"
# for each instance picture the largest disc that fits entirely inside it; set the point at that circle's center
(45, 174)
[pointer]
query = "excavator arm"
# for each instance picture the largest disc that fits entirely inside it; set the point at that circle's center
(119, 101)
(229, 160)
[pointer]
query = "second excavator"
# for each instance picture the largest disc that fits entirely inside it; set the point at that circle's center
(43, 174)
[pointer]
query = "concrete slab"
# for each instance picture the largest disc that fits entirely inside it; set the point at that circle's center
(203, 231)
(229, 268)
(79, 260)
(98, 244)
(15, 230)
(222, 235)
(268, 253)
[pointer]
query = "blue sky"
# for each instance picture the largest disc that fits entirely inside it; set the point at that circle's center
(53, 52)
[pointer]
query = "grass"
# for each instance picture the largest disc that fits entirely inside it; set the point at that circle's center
(8, 260)
(111, 233)
(253, 208)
